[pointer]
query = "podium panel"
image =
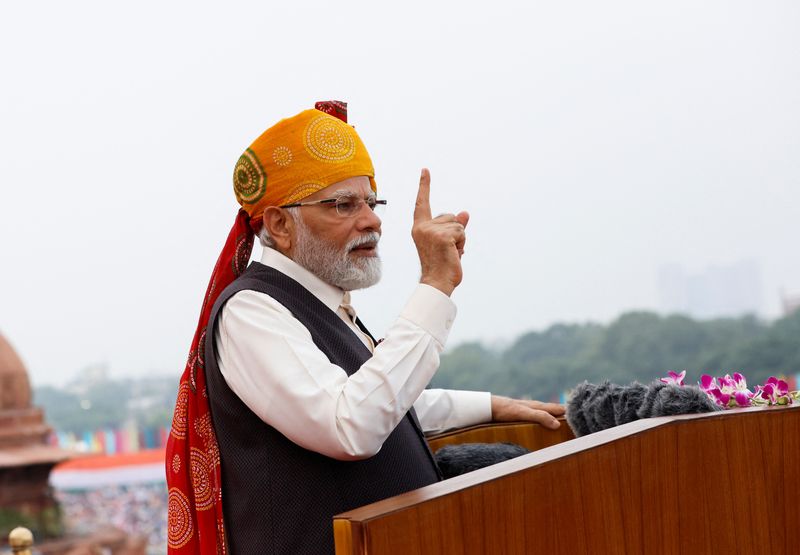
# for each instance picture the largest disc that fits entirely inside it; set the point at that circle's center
(713, 483)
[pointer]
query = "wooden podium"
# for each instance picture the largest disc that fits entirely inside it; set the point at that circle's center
(715, 483)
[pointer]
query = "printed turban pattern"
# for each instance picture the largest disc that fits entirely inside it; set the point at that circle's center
(299, 156)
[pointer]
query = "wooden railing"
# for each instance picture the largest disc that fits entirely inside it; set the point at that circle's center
(714, 483)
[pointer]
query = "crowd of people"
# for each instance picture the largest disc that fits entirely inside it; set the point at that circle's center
(139, 510)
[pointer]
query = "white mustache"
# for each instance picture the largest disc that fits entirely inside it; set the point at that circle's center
(371, 237)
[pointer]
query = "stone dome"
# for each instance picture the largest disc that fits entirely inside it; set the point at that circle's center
(15, 388)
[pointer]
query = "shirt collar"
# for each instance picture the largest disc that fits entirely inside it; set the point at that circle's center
(329, 294)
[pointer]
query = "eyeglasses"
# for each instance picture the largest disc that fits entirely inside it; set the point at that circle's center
(346, 206)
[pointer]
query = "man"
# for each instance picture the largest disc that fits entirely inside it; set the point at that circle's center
(306, 414)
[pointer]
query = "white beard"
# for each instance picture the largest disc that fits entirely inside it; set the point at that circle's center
(333, 266)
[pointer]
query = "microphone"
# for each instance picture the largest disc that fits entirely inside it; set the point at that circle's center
(592, 407)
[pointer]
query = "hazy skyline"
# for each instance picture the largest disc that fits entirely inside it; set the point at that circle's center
(716, 292)
(592, 144)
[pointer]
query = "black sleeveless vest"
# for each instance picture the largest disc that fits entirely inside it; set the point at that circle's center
(279, 498)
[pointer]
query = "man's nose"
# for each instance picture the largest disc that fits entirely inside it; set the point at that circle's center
(368, 220)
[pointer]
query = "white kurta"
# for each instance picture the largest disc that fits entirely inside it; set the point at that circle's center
(269, 360)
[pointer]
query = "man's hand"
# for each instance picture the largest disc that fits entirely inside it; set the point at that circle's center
(515, 410)
(439, 240)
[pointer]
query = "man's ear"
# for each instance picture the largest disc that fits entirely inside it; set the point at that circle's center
(280, 226)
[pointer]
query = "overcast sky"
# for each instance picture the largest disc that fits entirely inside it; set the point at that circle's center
(592, 143)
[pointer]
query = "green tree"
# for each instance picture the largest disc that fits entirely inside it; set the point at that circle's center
(639, 346)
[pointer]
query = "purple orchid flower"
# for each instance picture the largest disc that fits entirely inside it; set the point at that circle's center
(674, 378)
(727, 391)
(773, 392)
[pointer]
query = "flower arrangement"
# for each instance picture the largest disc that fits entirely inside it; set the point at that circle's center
(730, 392)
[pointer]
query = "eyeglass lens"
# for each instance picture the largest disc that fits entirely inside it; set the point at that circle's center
(349, 206)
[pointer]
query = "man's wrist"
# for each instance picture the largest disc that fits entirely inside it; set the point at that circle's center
(442, 285)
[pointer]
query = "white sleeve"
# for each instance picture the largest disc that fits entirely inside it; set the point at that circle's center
(269, 360)
(442, 409)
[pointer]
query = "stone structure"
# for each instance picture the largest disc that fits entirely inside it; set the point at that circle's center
(25, 456)
(20, 540)
(26, 459)
(15, 389)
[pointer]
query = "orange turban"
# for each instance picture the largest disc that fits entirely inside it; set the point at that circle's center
(297, 157)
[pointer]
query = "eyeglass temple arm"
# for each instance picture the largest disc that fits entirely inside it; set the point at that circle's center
(323, 201)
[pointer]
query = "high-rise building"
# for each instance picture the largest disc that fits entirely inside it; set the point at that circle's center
(790, 303)
(718, 291)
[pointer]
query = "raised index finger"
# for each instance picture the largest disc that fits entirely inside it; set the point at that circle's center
(422, 208)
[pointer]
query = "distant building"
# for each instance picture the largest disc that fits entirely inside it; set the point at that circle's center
(88, 377)
(719, 291)
(26, 458)
(25, 455)
(790, 303)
